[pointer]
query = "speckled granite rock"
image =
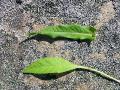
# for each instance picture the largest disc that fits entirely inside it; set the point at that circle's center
(18, 17)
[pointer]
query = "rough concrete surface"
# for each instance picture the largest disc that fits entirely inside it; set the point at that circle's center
(18, 17)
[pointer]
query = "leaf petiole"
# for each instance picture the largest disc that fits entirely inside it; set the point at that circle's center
(99, 72)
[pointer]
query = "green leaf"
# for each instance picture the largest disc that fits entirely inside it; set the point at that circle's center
(49, 65)
(56, 65)
(72, 31)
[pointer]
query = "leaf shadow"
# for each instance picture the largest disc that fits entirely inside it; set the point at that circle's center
(50, 76)
(51, 40)
(56, 75)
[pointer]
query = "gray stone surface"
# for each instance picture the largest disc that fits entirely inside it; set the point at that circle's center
(17, 18)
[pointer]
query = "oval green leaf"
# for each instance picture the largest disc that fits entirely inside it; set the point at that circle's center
(49, 65)
(72, 31)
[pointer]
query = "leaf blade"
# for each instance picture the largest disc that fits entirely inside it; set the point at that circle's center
(72, 31)
(49, 65)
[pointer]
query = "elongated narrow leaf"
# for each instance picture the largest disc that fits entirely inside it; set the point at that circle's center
(49, 65)
(72, 31)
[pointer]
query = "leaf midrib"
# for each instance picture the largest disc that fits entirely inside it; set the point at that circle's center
(67, 33)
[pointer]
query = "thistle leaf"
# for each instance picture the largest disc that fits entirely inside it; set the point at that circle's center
(49, 65)
(72, 31)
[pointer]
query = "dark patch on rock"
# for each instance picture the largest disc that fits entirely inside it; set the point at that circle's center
(19, 2)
